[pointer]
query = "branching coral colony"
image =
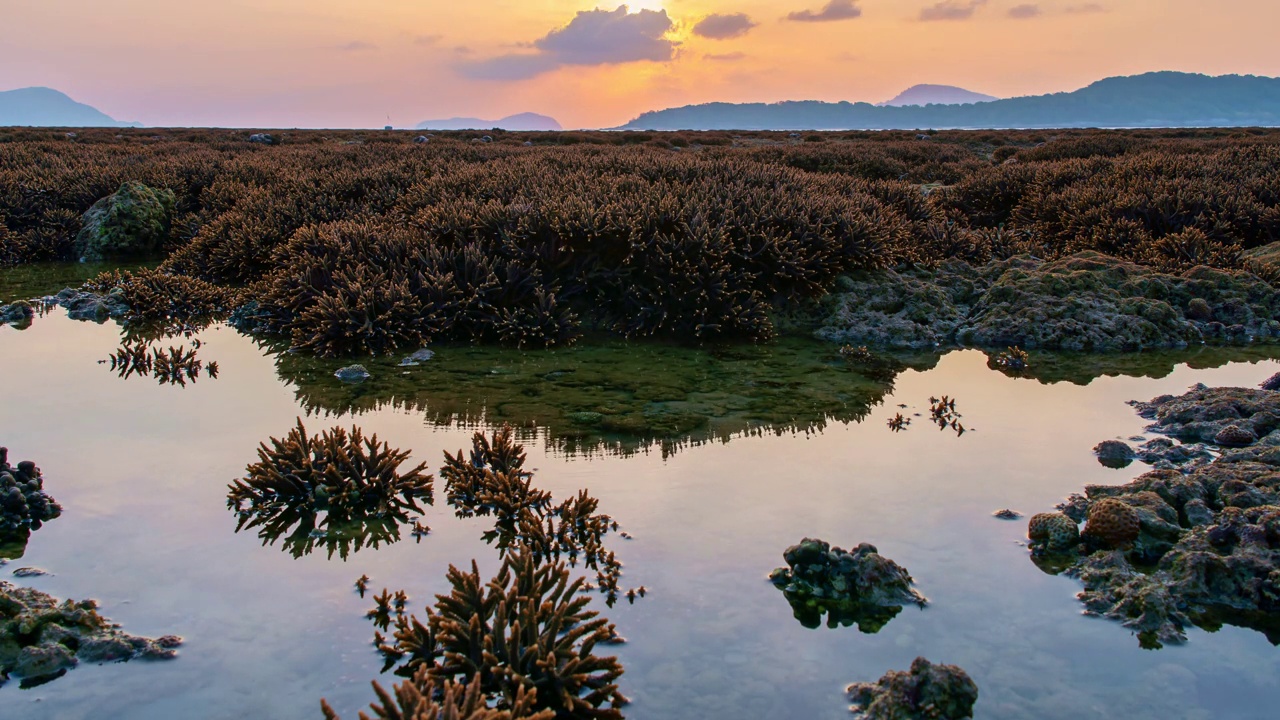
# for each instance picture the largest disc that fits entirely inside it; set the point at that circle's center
(356, 482)
(524, 640)
(367, 248)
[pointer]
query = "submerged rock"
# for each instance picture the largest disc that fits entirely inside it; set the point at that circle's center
(859, 587)
(41, 638)
(134, 221)
(352, 374)
(1085, 302)
(925, 692)
(418, 357)
(18, 313)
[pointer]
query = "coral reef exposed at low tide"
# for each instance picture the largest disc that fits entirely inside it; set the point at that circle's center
(1085, 302)
(925, 692)
(1195, 542)
(24, 504)
(41, 638)
(859, 587)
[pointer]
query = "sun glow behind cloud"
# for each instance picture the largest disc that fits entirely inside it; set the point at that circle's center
(349, 63)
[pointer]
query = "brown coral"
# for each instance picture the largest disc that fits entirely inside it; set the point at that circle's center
(1112, 523)
(1055, 531)
(1235, 436)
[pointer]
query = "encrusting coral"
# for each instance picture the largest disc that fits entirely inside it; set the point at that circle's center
(356, 482)
(1054, 531)
(859, 587)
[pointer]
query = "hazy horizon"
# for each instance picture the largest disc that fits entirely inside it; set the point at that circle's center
(338, 63)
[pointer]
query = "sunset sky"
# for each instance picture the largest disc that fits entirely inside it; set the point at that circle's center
(353, 63)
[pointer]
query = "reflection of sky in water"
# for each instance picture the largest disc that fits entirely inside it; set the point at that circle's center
(142, 471)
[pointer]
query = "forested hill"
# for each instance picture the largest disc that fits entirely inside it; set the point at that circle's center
(1163, 99)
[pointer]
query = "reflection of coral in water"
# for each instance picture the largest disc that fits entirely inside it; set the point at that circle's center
(356, 482)
(175, 365)
(493, 482)
(526, 629)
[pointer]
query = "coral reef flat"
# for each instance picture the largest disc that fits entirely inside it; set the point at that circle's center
(704, 524)
(536, 413)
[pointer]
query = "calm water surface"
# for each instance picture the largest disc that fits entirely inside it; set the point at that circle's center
(141, 470)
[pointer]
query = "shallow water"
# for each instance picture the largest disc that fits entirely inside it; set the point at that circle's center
(39, 279)
(141, 470)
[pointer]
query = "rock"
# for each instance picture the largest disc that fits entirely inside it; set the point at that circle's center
(24, 506)
(17, 313)
(1198, 309)
(1235, 436)
(1007, 514)
(262, 139)
(418, 357)
(859, 587)
(1198, 514)
(29, 572)
(134, 221)
(1272, 383)
(1113, 450)
(352, 374)
(36, 661)
(1054, 532)
(1085, 302)
(41, 637)
(926, 692)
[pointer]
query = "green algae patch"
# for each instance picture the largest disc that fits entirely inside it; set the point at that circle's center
(611, 395)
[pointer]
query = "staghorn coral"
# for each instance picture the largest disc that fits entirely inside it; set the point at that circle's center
(525, 633)
(925, 692)
(425, 697)
(859, 587)
(356, 482)
(41, 638)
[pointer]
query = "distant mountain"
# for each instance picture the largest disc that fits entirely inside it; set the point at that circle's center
(1162, 99)
(523, 121)
(937, 95)
(46, 107)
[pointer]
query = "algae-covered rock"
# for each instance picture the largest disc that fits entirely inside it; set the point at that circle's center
(134, 221)
(18, 313)
(925, 692)
(1085, 302)
(1192, 544)
(42, 637)
(859, 587)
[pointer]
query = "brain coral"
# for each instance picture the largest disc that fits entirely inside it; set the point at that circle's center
(1112, 523)
(1054, 530)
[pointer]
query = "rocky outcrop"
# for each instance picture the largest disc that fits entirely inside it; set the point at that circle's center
(1087, 302)
(134, 221)
(41, 638)
(1195, 542)
(860, 588)
(925, 692)
(24, 506)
